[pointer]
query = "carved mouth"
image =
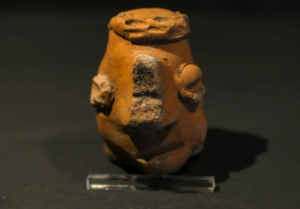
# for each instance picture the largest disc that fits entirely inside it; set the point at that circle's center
(152, 94)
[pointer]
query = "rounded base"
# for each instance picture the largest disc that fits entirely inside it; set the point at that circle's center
(167, 163)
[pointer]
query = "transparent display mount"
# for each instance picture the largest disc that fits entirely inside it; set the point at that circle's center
(183, 184)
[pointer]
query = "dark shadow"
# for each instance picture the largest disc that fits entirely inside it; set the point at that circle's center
(128, 169)
(80, 152)
(106, 110)
(224, 152)
(154, 43)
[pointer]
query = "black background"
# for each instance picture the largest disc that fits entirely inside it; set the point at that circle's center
(249, 55)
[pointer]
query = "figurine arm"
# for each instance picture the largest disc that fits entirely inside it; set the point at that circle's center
(188, 78)
(101, 94)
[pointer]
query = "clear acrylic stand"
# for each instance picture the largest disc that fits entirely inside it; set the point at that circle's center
(186, 184)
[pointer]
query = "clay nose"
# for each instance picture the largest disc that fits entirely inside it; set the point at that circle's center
(145, 76)
(146, 104)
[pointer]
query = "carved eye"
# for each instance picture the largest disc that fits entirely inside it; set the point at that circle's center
(189, 75)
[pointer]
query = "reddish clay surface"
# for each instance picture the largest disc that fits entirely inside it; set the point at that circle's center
(148, 92)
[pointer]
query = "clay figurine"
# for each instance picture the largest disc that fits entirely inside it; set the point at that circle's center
(148, 92)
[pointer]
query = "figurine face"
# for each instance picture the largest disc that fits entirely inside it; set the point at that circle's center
(148, 97)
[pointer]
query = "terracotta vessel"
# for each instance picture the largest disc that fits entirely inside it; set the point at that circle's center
(148, 92)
